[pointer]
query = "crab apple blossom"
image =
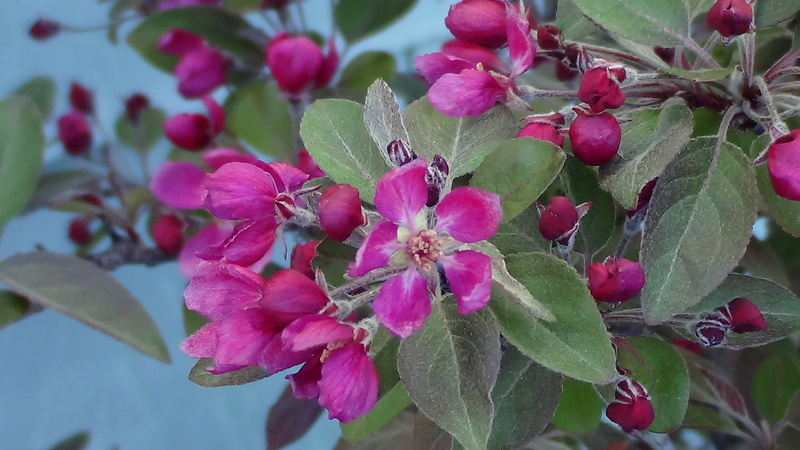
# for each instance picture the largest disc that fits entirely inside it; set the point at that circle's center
(167, 233)
(195, 131)
(743, 316)
(600, 88)
(44, 29)
(783, 164)
(595, 138)
(81, 98)
(75, 133)
(416, 243)
(632, 408)
(615, 280)
(480, 22)
(730, 17)
(456, 56)
(298, 65)
(179, 42)
(559, 220)
(340, 211)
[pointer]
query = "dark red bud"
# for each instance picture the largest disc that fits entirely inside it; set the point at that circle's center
(600, 88)
(167, 233)
(436, 177)
(743, 316)
(302, 254)
(179, 42)
(565, 72)
(75, 133)
(667, 54)
(340, 211)
(79, 232)
(549, 37)
(632, 409)
(783, 165)
(730, 17)
(542, 131)
(710, 332)
(615, 280)
(44, 29)
(81, 98)
(188, 131)
(134, 106)
(686, 344)
(559, 220)
(399, 153)
(595, 138)
(481, 22)
(200, 72)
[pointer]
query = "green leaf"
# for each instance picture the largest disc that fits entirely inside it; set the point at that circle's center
(261, 117)
(199, 375)
(660, 369)
(290, 418)
(42, 90)
(651, 22)
(580, 407)
(697, 75)
(357, 19)
(223, 30)
(701, 417)
(382, 117)
(463, 141)
(365, 68)
(396, 434)
(192, 320)
(387, 407)
(772, 12)
(81, 290)
(242, 6)
(450, 367)
(21, 148)
(780, 308)
(77, 441)
(383, 352)
(144, 134)
(336, 137)
(577, 343)
(332, 258)
(697, 227)
(575, 26)
(13, 307)
(521, 234)
(775, 383)
(650, 141)
(519, 170)
(525, 398)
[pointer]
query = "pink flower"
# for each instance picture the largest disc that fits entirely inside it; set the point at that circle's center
(631, 409)
(340, 211)
(456, 56)
(75, 133)
(302, 254)
(468, 93)
(480, 22)
(783, 164)
(306, 163)
(298, 65)
(408, 241)
(195, 131)
(200, 72)
(542, 131)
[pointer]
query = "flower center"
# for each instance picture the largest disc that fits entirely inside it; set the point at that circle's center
(425, 248)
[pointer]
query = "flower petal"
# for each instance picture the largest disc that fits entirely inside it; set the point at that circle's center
(376, 250)
(240, 191)
(220, 156)
(305, 381)
(220, 289)
(467, 93)
(402, 192)
(469, 214)
(348, 387)
(403, 303)
(179, 184)
(275, 358)
(433, 65)
(313, 332)
(249, 242)
(287, 178)
(290, 295)
(203, 342)
(241, 338)
(212, 235)
(469, 274)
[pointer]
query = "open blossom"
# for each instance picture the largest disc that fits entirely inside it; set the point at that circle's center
(407, 240)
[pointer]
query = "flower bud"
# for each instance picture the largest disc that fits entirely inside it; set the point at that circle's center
(481, 22)
(783, 164)
(549, 37)
(559, 220)
(632, 408)
(79, 232)
(75, 133)
(399, 153)
(81, 98)
(297, 63)
(595, 138)
(167, 233)
(134, 106)
(285, 205)
(302, 254)
(711, 332)
(743, 316)
(195, 131)
(688, 345)
(667, 54)
(600, 88)
(541, 131)
(645, 194)
(200, 72)
(615, 280)
(340, 211)
(179, 42)
(730, 17)
(436, 177)
(44, 29)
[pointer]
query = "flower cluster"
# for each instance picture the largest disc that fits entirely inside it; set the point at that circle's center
(740, 315)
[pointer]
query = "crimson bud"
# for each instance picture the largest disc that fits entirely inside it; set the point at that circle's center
(783, 164)
(340, 211)
(302, 254)
(195, 131)
(542, 131)
(549, 37)
(559, 220)
(730, 17)
(44, 29)
(743, 316)
(631, 409)
(399, 153)
(134, 106)
(81, 98)
(686, 344)
(600, 88)
(481, 22)
(595, 138)
(615, 280)
(297, 63)
(75, 133)
(711, 332)
(179, 42)
(79, 232)
(167, 233)
(201, 71)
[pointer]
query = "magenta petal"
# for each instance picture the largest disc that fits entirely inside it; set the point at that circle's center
(304, 382)
(288, 178)
(403, 303)
(467, 93)
(521, 48)
(469, 274)
(200, 72)
(220, 156)
(215, 113)
(239, 191)
(469, 214)
(241, 338)
(212, 235)
(202, 343)
(290, 295)
(402, 192)
(220, 289)
(376, 250)
(275, 357)
(313, 332)
(249, 242)
(348, 387)
(179, 185)
(433, 65)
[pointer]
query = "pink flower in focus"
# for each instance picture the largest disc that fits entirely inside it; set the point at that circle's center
(298, 65)
(340, 211)
(306, 163)
(407, 240)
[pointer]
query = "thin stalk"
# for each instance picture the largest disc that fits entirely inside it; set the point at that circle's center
(619, 54)
(530, 93)
(783, 63)
(372, 277)
(93, 28)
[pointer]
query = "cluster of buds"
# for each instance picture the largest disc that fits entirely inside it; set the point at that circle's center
(74, 128)
(740, 315)
(631, 408)
(201, 69)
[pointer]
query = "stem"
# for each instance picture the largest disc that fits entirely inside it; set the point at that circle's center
(701, 53)
(632, 226)
(783, 63)
(710, 43)
(530, 93)
(618, 54)
(372, 277)
(770, 103)
(90, 29)
(788, 86)
(296, 110)
(748, 52)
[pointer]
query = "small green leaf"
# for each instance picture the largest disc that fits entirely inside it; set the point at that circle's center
(332, 258)
(357, 19)
(463, 141)
(81, 290)
(450, 367)
(387, 407)
(223, 30)
(701, 417)
(42, 90)
(519, 170)
(365, 68)
(577, 343)
(261, 117)
(650, 141)
(697, 75)
(660, 369)
(780, 308)
(199, 375)
(56, 188)
(382, 116)
(697, 227)
(21, 148)
(145, 133)
(13, 307)
(774, 384)
(580, 407)
(769, 13)
(651, 22)
(336, 137)
(525, 398)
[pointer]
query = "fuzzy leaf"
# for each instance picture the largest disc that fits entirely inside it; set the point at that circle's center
(774, 384)
(42, 90)
(651, 22)
(580, 407)
(260, 116)
(357, 19)
(382, 116)
(13, 307)
(387, 408)
(199, 375)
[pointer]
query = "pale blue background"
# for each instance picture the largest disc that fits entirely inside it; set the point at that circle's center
(60, 377)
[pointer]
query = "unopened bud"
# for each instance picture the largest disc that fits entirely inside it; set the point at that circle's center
(632, 408)
(595, 138)
(79, 232)
(711, 332)
(81, 98)
(340, 211)
(783, 165)
(549, 37)
(615, 280)
(730, 17)
(44, 29)
(436, 177)
(743, 316)
(600, 88)
(75, 133)
(559, 220)
(400, 154)
(134, 106)
(167, 233)
(481, 22)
